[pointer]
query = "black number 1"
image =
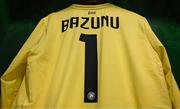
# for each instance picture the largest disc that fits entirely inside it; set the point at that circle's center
(91, 68)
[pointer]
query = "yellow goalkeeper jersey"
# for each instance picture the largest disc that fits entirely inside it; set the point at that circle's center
(91, 57)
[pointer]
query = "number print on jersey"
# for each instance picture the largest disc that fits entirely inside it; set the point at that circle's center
(91, 68)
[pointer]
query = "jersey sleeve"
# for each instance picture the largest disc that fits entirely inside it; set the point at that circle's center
(12, 78)
(172, 86)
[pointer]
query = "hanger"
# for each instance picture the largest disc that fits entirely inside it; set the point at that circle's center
(92, 2)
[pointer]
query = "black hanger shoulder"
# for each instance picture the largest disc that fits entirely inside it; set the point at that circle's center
(92, 2)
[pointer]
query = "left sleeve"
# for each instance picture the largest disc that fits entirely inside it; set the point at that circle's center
(173, 89)
(11, 80)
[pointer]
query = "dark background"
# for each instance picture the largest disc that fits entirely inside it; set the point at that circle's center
(19, 17)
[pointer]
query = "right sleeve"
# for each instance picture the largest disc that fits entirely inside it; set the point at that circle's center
(13, 76)
(172, 86)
